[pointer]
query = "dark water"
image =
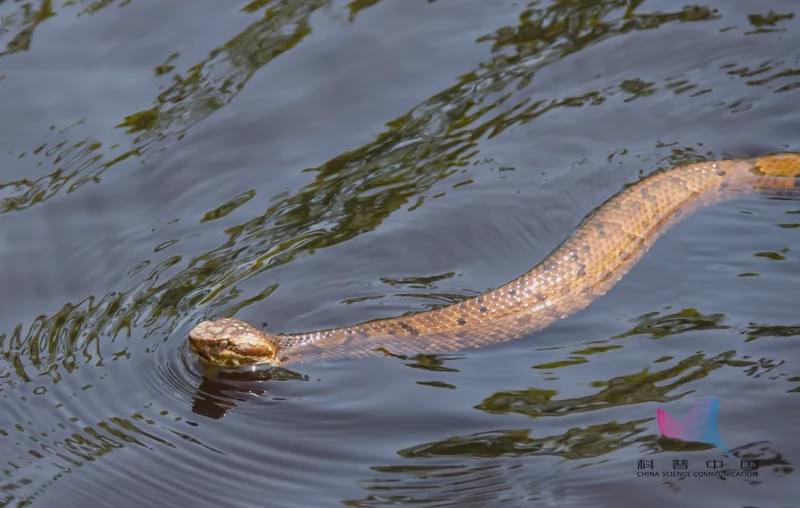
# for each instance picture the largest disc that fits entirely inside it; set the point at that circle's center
(310, 164)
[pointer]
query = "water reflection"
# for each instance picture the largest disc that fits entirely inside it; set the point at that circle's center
(17, 27)
(634, 388)
(441, 132)
(206, 87)
(575, 443)
(220, 391)
(495, 468)
(438, 472)
(755, 331)
(351, 194)
(55, 449)
(769, 22)
(659, 326)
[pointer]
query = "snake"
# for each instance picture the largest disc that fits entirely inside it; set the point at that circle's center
(601, 250)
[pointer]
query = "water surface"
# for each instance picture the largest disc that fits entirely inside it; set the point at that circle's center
(309, 164)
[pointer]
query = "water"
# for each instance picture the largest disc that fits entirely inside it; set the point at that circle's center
(311, 164)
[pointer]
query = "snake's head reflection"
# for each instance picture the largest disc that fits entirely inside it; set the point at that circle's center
(221, 390)
(228, 342)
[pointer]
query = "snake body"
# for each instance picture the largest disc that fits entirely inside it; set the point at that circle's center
(586, 265)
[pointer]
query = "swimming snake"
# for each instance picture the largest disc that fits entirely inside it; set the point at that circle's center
(586, 265)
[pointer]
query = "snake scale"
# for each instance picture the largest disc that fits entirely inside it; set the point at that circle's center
(586, 265)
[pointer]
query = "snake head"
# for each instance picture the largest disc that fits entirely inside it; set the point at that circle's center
(228, 342)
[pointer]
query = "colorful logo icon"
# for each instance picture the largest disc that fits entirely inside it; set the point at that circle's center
(699, 424)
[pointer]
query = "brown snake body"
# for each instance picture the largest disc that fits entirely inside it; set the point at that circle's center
(586, 265)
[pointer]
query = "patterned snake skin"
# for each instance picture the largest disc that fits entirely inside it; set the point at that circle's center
(586, 265)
